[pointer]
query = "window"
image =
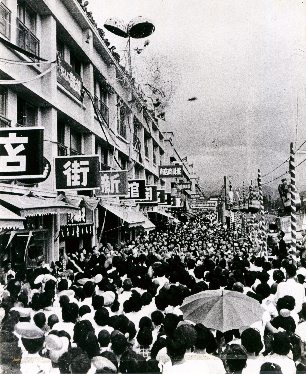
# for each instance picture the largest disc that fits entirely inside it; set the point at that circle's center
(75, 63)
(122, 118)
(146, 148)
(101, 100)
(122, 162)
(3, 101)
(103, 153)
(26, 113)
(61, 148)
(154, 155)
(26, 29)
(60, 47)
(4, 122)
(5, 21)
(75, 143)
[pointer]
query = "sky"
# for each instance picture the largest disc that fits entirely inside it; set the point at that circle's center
(245, 62)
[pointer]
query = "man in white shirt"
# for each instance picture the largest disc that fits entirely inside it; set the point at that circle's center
(292, 288)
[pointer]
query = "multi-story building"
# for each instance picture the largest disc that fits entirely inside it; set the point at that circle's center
(87, 104)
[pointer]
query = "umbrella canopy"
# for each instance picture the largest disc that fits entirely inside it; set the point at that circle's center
(43, 278)
(222, 310)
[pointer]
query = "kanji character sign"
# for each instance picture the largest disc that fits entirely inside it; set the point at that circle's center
(21, 153)
(77, 172)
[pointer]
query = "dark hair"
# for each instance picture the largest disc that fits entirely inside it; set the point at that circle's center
(131, 330)
(70, 312)
(39, 319)
(64, 300)
(88, 289)
(119, 344)
(97, 302)
(157, 317)
(144, 337)
(291, 270)
(102, 317)
(33, 345)
(264, 290)
(176, 348)
(111, 357)
(145, 322)
(62, 285)
(269, 368)
(170, 323)
(81, 329)
(90, 345)
(52, 320)
(251, 340)
(104, 338)
(84, 309)
(281, 343)
(36, 302)
(285, 302)
(278, 276)
(236, 358)
(205, 339)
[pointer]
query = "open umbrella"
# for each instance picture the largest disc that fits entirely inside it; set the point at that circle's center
(222, 310)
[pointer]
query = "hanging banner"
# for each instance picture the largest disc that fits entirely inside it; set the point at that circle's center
(77, 172)
(137, 189)
(113, 183)
(68, 78)
(170, 171)
(21, 153)
(161, 196)
(151, 194)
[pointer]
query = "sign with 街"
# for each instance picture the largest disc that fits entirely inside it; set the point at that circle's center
(170, 171)
(151, 194)
(77, 172)
(21, 153)
(137, 189)
(113, 183)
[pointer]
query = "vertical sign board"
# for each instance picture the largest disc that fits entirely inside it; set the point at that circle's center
(113, 183)
(161, 197)
(21, 153)
(151, 194)
(137, 189)
(77, 173)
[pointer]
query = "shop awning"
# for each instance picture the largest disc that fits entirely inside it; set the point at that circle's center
(10, 220)
(148, 225)
(27, 206)
(131, 217)
(168, 215)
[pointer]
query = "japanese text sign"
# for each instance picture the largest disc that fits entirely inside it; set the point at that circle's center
(170, 171)
(77, 172)
(137, 189)
(113, 183)
(151, 193)
(21, 153)
(68, 78)
(184, 185)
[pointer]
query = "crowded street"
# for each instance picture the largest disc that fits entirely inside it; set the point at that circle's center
(152, 187)
(154, 305)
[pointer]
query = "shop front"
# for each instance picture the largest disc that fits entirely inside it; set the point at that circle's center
(28, 246)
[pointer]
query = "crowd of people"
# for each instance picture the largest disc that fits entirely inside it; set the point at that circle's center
(118, 310)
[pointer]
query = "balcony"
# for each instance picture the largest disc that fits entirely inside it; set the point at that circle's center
(26, 39)
(4, 122)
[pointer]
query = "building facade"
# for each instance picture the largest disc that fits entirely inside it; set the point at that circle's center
(59, 73)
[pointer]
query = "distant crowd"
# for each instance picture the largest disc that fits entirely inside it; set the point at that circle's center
(120, 310)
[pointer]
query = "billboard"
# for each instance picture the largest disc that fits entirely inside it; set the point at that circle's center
(170, 171)
(113, 183)
(77, 173)
(21, 153)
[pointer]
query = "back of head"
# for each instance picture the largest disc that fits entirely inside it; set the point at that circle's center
(89, 289)
(291, 270)
(251, 340)
(270, 368)
(40, 320)
(70, 312)
(104, 338)
(52, 320)
(281, 343)
(236, 358)
(102, 316)
(157, 317)
(188, 333)
(176, 348)
(144, 337)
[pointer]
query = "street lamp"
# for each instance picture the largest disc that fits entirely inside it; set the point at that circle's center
(137, 28)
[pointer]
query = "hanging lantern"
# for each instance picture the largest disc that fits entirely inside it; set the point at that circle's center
(117, 27)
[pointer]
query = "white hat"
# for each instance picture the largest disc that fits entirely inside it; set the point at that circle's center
(57, 346)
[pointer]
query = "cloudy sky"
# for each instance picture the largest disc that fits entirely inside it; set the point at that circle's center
(245, 63)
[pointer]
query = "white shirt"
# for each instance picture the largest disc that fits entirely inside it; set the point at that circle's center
(33, 364)
(294, 289)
